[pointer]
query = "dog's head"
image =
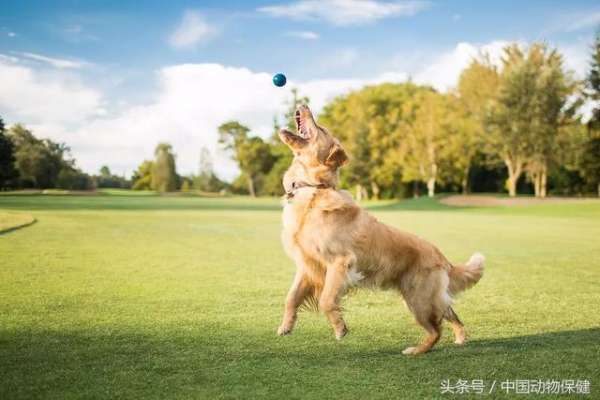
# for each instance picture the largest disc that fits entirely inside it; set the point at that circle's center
(317, 154)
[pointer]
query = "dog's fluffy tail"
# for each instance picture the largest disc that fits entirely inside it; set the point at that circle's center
(463, 276)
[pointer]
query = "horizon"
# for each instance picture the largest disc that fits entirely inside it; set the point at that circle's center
(122, 79)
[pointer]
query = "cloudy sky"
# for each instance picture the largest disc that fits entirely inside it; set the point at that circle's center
(113, 78)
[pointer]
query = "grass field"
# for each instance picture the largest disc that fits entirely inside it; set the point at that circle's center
(150, 297)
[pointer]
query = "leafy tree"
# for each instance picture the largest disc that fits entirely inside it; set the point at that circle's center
(368, 123)
(164, 174)
(206, 180)
(590, 166)
(426, 136)
(510, 120)
(7, 158)
(526, 117)
(107, 180)
(477, 88)
(252, 154)
(73, 179)
(552, 113)
(592, 87)
(142, 177)
(38, 161)
(186, 186)
(591, 162)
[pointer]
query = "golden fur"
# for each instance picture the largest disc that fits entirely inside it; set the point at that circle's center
(336, 245)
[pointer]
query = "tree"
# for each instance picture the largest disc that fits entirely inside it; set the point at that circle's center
(590, 163)
(552, 113)
(592, 85)
(424, 150)
(530, 113)
(7, 158)
(477, 89)
(186, 186)
(38, 161)
(164, 174)
(367, 121)
(105, 171)
(106, 179)
(206, 180)
(142, 177)
(252, 154)
(510, 120)
(590, 166)
(71, 178)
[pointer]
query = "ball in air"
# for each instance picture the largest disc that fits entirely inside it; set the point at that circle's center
(279, 80)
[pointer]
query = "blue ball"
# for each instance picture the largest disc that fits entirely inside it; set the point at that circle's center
(279, 80)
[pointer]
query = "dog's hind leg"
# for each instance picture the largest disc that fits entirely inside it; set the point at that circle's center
(457, 326)
(431, 322)
(333, 289)
(300, 289)
(426, 298)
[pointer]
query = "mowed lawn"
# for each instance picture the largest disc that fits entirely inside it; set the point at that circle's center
(150, 297)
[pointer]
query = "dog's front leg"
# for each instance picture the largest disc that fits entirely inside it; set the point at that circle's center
(298, 291)
(333, 289)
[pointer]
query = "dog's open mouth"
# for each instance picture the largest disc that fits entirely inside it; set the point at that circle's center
(301, 129)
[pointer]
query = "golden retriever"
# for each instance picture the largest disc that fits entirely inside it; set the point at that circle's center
(337, 245)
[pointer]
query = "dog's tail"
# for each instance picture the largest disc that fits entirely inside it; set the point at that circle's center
(463, 276)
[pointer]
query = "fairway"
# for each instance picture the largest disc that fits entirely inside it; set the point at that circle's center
(119, 296)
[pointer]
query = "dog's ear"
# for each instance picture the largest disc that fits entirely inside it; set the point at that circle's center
(337, 157)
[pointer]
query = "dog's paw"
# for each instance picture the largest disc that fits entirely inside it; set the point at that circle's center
(340, 333)
(460, 340)
(409, 351)
(284, 330)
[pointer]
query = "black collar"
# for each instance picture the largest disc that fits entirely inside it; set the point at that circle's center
(301, 184)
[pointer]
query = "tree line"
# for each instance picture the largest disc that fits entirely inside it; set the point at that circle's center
(27, 162)
(514, 127)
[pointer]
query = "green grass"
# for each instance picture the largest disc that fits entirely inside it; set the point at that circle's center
(179, 297)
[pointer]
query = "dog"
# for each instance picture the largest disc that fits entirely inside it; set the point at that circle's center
(336, 245)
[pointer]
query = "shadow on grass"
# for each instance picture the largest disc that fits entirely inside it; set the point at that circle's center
(17, 227)
(221, 362)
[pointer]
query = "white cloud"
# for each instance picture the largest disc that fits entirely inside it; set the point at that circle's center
(50, 97)
(344, 12)
(192, 30)
(577, 58)
(322, 91)
(443, 72)
(55, 62)
(308, 35)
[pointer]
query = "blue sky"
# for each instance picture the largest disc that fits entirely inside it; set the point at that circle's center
(111, 78)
